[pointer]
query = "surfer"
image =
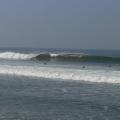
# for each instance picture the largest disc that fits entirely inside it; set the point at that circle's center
(83, 66)
(109, 65)
(44, 63)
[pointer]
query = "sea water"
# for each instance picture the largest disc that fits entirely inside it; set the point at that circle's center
(59, 84)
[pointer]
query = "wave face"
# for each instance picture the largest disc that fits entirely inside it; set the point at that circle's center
(64, 57)
(62, 73)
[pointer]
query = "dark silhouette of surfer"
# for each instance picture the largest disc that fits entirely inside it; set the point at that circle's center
(83, 67)
(109, 65)
(45, 63)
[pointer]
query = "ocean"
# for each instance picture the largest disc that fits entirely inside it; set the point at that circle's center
(59, 84)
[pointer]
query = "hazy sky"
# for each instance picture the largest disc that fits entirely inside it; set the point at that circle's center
(60, 23)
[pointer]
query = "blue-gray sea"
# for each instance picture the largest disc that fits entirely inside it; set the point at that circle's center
(59, 84)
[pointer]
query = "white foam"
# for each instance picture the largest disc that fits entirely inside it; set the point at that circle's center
(53, 55)
(16, 56)
(62, 73)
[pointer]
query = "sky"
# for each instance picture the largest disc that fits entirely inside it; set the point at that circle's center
(74, 24)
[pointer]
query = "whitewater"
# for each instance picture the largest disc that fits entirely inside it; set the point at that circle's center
(62, 73)
(16, 56)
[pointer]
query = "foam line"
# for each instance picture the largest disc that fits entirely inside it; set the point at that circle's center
(62, 73)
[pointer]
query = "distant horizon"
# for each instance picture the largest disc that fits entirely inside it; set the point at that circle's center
(58, 48)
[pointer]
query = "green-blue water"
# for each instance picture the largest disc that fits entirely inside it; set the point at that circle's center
(45, 99)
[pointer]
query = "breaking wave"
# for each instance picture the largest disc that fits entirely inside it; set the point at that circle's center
(16, 56)
(74, 57)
